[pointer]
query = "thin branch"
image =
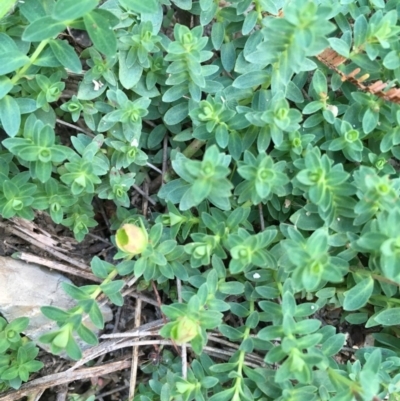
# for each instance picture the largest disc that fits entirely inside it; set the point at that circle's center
(134, 294)
(116, 345)
(136, 333)
(152, 166)
(145, 203)
(62, 378)
(165, 156)
(162, 314)
(139, 190)
(135, 352)
(46, 248)
(110, 392)
(183, 347)
(75, 127)
(28, 257)
(261, 214)
(107, 346)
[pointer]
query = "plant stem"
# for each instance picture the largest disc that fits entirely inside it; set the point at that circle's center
(374, 276)
(32, 59)
(190, 150)
(242, 355)
(339, 378)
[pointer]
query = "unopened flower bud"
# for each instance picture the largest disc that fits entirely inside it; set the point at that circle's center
(185, 330)
(131, 239)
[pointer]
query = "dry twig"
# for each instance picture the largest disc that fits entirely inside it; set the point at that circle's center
(28, 257)
(135, 352)
(63, 377)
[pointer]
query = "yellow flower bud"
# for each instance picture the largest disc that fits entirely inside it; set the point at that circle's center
(131, 239)
(185, 330)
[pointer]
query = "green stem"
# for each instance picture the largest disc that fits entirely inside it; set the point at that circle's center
(32, 59)
(190, 150)
(259, 12)
(373, 275)
(353, 387)
(109, 278)
(242, 354)
(385, 299)
(277, 281)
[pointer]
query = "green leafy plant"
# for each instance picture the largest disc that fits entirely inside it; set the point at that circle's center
(17, 354)
(266, 136)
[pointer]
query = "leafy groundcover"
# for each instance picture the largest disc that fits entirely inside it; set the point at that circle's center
(262, 140)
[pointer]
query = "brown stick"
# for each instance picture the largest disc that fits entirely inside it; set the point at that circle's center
(64, 377)
(135, 352)
(28, 257)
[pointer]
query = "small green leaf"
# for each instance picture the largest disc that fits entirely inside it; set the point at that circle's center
(66, 55)
(223, 367)
(71, 9)
(392, 60)
(96, 316)
(312, 107)
(61, 339)
(54, 313)
(225, 395)
(73, 350)
(388, 317)
(232, 288)
(12, 60)
(358, 295)
(176, 114)
(217, 35)
(333, 344)
(124, 268)
(370, 121)
(251, 79)
(228, 56)
(87, 335)
(319, 82)
(42, 29)
(10, 115)
(140, 6)
(113, 287)
(19, 324)
(340, 46)
(100, 268)
(5, 86)
(360, 30)
(100, 32)
(6, 6)
(249, 22)
(74, 292)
